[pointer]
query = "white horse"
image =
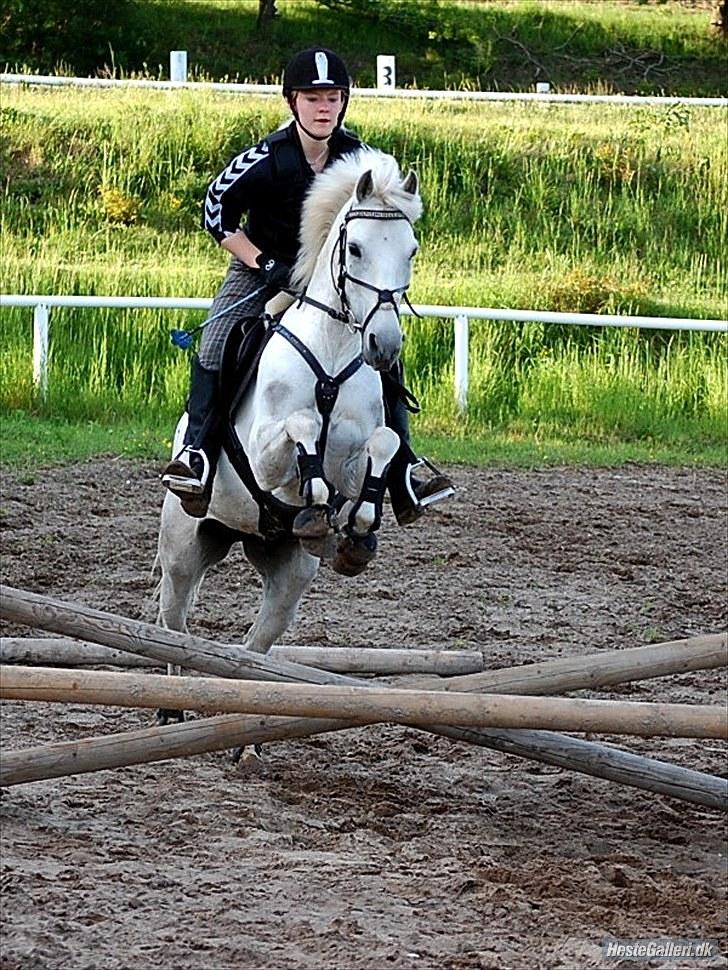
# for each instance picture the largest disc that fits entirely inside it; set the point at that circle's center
(312, 426)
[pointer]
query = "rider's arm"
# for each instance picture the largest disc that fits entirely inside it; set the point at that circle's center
(240, 245)
(230, 195)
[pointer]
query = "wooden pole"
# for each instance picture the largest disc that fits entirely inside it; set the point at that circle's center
(366, 705)
(541, 746)
(148, 640)
(64, 652)
(602, 669)
(592, 671)
(230, 731)
(167, 646)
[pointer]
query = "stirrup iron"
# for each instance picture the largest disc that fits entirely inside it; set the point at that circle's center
(179, 476)
(439, 495)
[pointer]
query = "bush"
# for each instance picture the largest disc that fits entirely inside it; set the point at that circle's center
(82, 34)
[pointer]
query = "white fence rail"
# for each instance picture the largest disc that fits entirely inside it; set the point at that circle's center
(618, 99)
(461, 317)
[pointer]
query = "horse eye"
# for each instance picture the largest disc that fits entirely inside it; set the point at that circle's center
(354, 250)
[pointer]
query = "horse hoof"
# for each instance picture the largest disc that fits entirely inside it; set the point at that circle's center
(313, 522)
(247, 755)
(167, 716)
(354, 553)
(321, 548)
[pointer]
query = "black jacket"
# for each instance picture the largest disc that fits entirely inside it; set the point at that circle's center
(268, 182)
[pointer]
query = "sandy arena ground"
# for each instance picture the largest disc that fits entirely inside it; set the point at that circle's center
(382, 847)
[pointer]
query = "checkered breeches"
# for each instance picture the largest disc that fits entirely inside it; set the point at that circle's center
(239, 282)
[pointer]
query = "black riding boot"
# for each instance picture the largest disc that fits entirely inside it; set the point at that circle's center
(189, 475)
(410, 495)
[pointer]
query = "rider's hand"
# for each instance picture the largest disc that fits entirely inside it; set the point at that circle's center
(273, 271)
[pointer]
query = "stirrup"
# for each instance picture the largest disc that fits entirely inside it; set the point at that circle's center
(420, 494)
(180, 477)
(432, 490)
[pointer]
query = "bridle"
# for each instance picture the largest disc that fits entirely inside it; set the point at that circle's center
(339, 279)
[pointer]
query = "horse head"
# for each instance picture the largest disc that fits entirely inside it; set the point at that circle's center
(363, 269)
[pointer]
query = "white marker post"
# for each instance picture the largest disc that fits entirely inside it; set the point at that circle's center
(40, 350)
(178, 66)
(462, 332)
(386, 72)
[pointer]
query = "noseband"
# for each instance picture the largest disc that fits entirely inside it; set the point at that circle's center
(340, 280)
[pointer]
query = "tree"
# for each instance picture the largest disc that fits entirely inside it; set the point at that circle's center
(43, 33)
(721, 19)
(266, 12)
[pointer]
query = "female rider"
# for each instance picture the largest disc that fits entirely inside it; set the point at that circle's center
(268, 183)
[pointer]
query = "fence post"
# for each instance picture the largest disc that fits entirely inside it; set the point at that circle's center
(40, 349)
(461, 361)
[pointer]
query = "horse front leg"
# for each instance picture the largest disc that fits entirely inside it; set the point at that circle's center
(314, 524)
(285, 453)
(357, 544)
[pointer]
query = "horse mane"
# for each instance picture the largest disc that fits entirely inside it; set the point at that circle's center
(330, 191)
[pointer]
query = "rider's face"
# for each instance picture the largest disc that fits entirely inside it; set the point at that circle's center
(318, 110)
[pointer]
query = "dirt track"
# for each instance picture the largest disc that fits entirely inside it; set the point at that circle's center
(381, 847)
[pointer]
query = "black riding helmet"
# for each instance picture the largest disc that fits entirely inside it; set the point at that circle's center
(316, 69)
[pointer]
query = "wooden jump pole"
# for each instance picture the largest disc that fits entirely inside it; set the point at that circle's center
(149, 640)
(602, 669)
(366, 705)
(606, 668)
(228, 731)
(600, 761)
(64, 652)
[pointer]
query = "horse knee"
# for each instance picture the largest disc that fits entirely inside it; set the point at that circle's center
(270, 455)
(382, 446)
(304, 427)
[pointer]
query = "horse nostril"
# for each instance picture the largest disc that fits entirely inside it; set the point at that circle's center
(372, 343)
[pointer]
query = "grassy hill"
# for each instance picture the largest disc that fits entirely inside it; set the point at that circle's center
(579, 207)
(622, 46)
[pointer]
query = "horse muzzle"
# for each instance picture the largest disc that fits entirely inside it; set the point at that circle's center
(382, 340)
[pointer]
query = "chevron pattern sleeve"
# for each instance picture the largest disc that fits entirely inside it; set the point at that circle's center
(232, 191)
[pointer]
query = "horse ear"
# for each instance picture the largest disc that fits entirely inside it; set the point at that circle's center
(364, 186)
(411, 183)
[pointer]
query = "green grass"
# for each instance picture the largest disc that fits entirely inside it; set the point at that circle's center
(490, 44)
(32, 442)
(587, 208)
